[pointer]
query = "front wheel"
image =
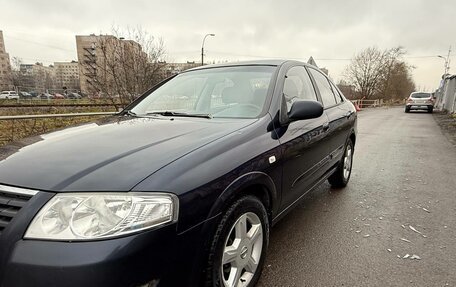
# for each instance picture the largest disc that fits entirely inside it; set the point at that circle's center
(342, 174)
(239, 246)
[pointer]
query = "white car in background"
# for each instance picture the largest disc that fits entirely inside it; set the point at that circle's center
(9, 95)
(420, 101)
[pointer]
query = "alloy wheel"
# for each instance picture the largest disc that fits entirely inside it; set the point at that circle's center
(242, 251)
(348, 162)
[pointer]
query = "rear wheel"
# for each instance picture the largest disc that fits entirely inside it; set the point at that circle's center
(407, 109)
(341, 176)
(239, 246)
(430, 109)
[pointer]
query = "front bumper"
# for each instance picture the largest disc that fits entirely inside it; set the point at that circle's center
(158, 257)
(129, 261)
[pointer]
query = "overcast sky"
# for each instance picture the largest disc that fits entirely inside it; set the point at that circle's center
(330, 31)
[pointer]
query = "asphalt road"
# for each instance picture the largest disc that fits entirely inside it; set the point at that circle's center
(403, 179)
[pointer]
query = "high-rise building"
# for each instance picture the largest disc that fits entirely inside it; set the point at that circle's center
(104, 60)
(6, 77)
(67, 75)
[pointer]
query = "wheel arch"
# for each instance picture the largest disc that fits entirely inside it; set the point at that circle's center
(352, 137)
(258, 184)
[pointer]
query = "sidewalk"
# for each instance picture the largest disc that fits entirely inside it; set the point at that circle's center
(447, 123)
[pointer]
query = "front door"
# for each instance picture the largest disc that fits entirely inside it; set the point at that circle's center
(302, 142)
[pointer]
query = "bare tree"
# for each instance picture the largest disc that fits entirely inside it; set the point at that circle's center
(372, 72)
(400, 82)
(124, 64)
(16, 63)
(365, 71)
(347, 89)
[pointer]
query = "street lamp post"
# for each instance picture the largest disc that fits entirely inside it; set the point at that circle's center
(202, 48)
(446, 64)
(447, 61)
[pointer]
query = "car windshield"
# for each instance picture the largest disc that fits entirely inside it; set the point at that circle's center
(225, 92)
(421, 95)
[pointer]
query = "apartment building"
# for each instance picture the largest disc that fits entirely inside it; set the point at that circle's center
(6, 77)
(67, 75)
(102, 60)
(170, 69)
(36, 77)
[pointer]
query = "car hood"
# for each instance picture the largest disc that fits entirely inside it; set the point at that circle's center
(113, 155)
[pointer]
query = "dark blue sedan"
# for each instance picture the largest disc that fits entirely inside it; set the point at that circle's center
(179, 189)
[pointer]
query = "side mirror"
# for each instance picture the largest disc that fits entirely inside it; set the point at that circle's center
(305, 109)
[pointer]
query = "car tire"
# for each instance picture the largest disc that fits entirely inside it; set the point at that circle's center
(342, 174)
(241, 239)
(430, 110)
(407, 110)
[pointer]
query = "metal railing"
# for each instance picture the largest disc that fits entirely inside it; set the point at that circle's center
(64, 105)
(9, 131)
(47, 116)
(363, 103)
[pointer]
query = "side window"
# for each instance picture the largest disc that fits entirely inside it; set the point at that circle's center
(339, 97)
(298, 86)
(325, 89)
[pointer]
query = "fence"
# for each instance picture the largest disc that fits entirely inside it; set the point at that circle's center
(446, 95)
(30, 117)
(13, 130)
(33, 102)
(57, 105)
(363, 103)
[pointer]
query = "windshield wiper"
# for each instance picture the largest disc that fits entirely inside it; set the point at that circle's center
(131, 113)
(177, 114)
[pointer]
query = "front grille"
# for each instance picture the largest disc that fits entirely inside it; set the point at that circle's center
(10, 204)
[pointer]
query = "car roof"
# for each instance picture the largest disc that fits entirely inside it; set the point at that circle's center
(266, 62)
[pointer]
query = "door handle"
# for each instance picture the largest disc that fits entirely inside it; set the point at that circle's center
(325, 127)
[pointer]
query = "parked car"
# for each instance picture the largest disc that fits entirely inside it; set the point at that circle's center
(46, 96)
(174, 192)
(420, 101)
(25, 95)
(9, 95)
(59, 96)
(74, 96)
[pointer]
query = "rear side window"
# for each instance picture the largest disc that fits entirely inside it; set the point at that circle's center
(325, 89)
(298, 86)
(339, 97)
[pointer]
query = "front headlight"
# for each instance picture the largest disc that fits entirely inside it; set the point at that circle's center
(88, 216)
